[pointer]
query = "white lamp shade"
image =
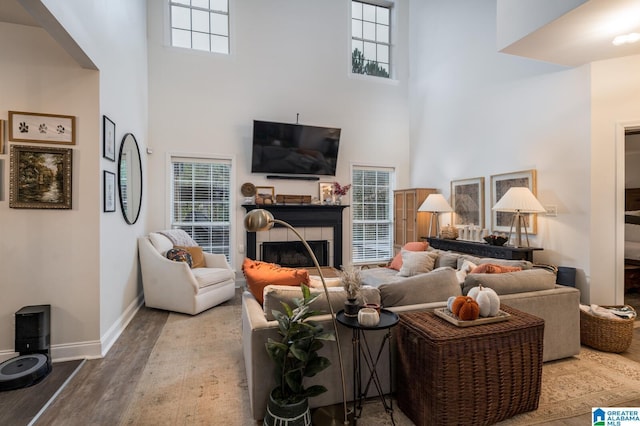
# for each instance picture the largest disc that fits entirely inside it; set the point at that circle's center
(519, 199)
(435, 203)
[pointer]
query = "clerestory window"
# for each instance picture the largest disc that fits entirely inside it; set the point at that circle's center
(370, 39)
(200, 24)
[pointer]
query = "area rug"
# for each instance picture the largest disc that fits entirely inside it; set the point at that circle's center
(195, 375)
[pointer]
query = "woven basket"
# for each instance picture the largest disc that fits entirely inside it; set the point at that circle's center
(604, 334)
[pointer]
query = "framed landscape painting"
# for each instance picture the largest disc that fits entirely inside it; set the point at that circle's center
(40, 178)
(500, 184)
(467, 202)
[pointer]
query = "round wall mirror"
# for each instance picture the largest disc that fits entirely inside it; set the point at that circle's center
(130, 178)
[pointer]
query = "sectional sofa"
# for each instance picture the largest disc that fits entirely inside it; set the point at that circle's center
(531, 290)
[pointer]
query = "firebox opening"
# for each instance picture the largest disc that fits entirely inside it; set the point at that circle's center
(293, 254)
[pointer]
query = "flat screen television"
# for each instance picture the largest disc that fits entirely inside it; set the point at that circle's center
(294, 149)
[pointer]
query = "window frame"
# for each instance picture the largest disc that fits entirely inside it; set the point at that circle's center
(390, 5)
(205, 158)
(168, 28)
(389, 221)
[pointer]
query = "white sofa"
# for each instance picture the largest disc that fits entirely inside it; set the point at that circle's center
(174, 286)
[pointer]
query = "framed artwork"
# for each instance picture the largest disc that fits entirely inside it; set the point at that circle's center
(325, 189)
(108, 138)
(40, 177)
(1, 136)
(467, 202)
(109, 194)
(500, 184)
(46, 128)
(265, 195)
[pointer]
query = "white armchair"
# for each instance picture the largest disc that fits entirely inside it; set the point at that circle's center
(174, 286)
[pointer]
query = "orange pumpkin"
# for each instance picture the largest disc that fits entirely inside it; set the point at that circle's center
(466, 308)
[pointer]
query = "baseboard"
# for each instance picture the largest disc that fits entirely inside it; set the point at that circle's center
(114, 332)
(91, 349)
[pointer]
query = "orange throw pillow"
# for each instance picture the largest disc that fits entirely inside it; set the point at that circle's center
(261, 274)
(196, 255)
(490, 268)
(396, 263)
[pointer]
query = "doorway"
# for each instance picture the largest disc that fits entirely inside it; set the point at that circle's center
(632, 218)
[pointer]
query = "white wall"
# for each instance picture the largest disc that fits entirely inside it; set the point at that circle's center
(83, 262)
(287, 58)
(476, 112)
(615, 90)
(51, 256)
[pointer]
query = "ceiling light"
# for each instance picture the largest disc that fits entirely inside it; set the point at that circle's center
(626, 38)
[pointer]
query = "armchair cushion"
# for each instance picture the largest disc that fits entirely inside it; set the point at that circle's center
(206, 277)
(197, 256)
(179, 255)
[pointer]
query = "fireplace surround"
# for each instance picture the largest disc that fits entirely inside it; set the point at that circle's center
(303, 216)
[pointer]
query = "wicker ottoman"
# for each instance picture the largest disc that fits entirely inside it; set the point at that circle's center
(479, 375)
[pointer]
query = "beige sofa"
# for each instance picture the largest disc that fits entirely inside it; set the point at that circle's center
(534, 291)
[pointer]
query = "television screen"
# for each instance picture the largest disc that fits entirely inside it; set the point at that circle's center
(294, 149)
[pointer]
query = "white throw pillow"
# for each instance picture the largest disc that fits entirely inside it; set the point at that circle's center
(466, 267)
(417, 262)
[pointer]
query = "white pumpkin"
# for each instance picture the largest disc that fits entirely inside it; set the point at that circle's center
(450, 302)
(487, 299)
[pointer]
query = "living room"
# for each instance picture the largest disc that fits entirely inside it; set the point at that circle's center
(455, 108)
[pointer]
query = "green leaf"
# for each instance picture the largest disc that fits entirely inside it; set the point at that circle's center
(316, 365)
(314, 390)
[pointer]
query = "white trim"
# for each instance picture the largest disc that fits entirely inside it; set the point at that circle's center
(621, 127)
(116, 330)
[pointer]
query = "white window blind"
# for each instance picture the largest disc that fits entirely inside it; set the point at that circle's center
(200, 202)
(372, 207)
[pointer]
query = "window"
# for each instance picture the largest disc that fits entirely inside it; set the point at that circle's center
(372, 207)
(200, 24)
(370, 39)
(200, 201)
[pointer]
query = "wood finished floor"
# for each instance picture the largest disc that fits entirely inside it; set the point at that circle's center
(101, 389)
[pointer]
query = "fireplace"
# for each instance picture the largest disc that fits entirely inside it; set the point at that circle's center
(293, 253)
(308, 218)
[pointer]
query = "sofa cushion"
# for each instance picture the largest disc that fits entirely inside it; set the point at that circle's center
(416, 262)
(512, 282)
(196, 255)
(211, 276)
(524, 264)
(260, 274)
(446, 258)
(436, 286)
(160, 242)
(375, 276)
(491, 268)
(274, 295)
(179, 255)
(396, 262)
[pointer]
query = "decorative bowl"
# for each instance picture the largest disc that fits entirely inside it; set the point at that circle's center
(495, 240)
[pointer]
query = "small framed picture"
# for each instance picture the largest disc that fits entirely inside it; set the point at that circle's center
(40, 177)
(109, 195)
(45, 128)
(265, 195)
(467, 202)
(1, 136)
(500, 184)
(108, 138)
(325, 190)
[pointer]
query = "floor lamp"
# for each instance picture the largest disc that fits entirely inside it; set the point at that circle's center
(435, 204)
(262, 220)
(521, 201)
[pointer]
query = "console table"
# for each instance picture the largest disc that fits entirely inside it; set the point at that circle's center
(484, 249)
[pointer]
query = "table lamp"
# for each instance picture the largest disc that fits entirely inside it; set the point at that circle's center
(519, 200)
(435, 204)
(262, 220)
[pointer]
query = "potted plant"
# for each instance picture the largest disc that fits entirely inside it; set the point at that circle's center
(296, 357)
(352, 284)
